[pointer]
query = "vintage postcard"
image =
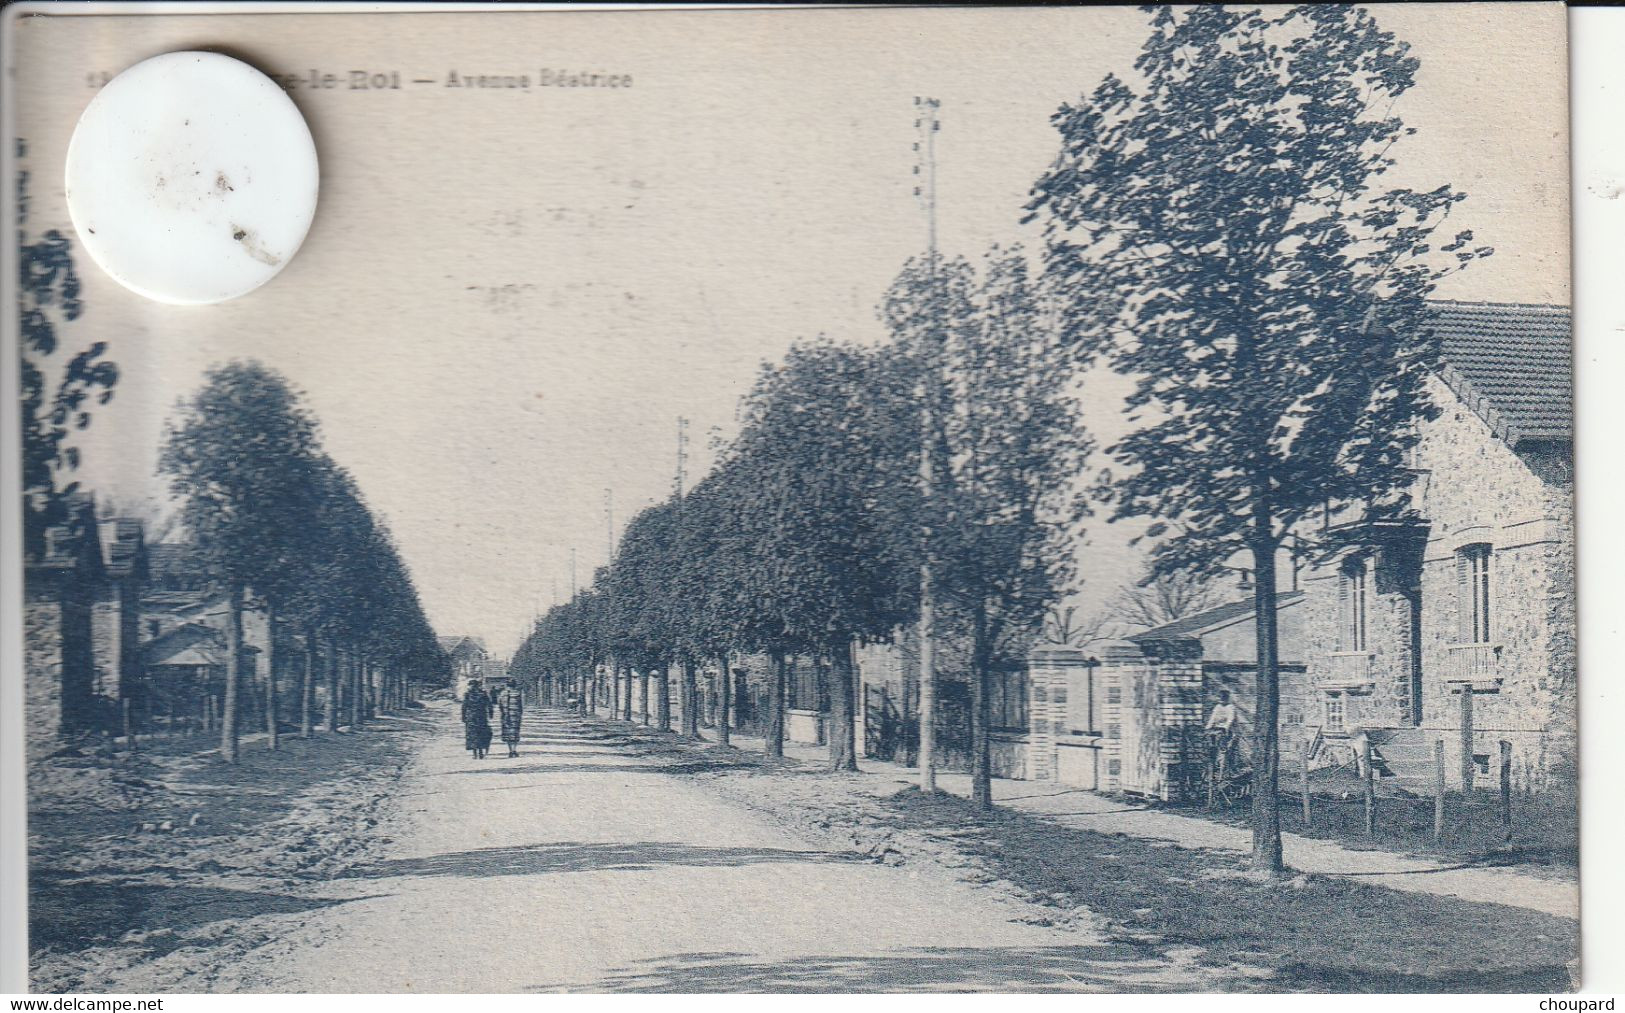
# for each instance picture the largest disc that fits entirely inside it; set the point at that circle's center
(838, 500)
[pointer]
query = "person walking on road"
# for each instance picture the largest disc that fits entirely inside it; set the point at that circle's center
(476, 720)
(511, 705)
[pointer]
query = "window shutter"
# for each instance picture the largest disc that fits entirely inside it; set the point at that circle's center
(1344, 623)
(1464, 599)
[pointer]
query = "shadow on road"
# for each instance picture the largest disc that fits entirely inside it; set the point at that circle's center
(958, 969)
(578, 857)
(502, 766)
(70, 916)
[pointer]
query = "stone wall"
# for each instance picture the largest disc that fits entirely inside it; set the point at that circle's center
(42, 670)
(1472, 488)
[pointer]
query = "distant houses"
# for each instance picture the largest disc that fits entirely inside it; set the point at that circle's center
(469, 660)
(120, 633)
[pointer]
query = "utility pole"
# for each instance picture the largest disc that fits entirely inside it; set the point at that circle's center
(682, 454)
(572, 573)
(925, 166)
(609, 525)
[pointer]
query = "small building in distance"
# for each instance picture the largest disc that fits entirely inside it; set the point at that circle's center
(469, 660)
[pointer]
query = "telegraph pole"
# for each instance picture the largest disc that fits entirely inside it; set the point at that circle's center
(927, 125)
(572, 573)
(609, 525)
(682, 454)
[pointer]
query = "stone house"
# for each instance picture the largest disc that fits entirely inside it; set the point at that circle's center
(1458, 628)
(82, 603)
(1461, 627)
(116, 616)
(61, 585)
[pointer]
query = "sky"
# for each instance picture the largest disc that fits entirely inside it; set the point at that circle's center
(509, 296)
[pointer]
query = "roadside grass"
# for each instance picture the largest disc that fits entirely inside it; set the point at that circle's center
(1545, 828)
(134, 855)
(1301, 933)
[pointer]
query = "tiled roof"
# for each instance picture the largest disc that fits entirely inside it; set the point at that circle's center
(1193, 626)
(1512, 363)
(452, 644)
(191, 644)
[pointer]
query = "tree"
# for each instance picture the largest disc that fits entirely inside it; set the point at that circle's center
(238, 457)
(1217, 227)
(56, 395)
(826, 461)
(1160, 598)
(643, 560)
(1004, 504)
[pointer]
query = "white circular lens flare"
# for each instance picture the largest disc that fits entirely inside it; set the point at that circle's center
(192, 178)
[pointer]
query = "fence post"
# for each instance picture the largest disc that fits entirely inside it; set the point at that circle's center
(1466, 740)
(1370, 788)
(1506, 788)
(1438, 788)
(1303, 777)
(1210, 771)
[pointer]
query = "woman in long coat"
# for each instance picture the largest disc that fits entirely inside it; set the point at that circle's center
(511, 705)
(476, 720)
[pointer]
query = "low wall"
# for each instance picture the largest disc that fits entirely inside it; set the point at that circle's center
(805, 727)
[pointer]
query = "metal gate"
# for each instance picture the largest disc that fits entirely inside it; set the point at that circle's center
(1140, 733)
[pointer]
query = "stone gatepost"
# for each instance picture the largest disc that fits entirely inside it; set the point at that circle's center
(1122, 665)
(1050, 669)
(1179, 701)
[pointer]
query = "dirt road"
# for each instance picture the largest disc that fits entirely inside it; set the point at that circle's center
(586, 865)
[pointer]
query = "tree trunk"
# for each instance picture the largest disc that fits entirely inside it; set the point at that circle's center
(307, 687)
(687, 692)
(234, 672)
(614, 690)
(842, 741)
(663, 699)
(354, 674)
(332, 684)
(724, 699)
(643, 696)
(272, 738)
(1266, 755)
(775, 706)
(981, 769)
(626, 695)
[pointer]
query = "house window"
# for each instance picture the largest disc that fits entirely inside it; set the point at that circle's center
(1352, 582)
(1007, 703)
(1335, 713)
(1114, 694)
(1473, 592)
